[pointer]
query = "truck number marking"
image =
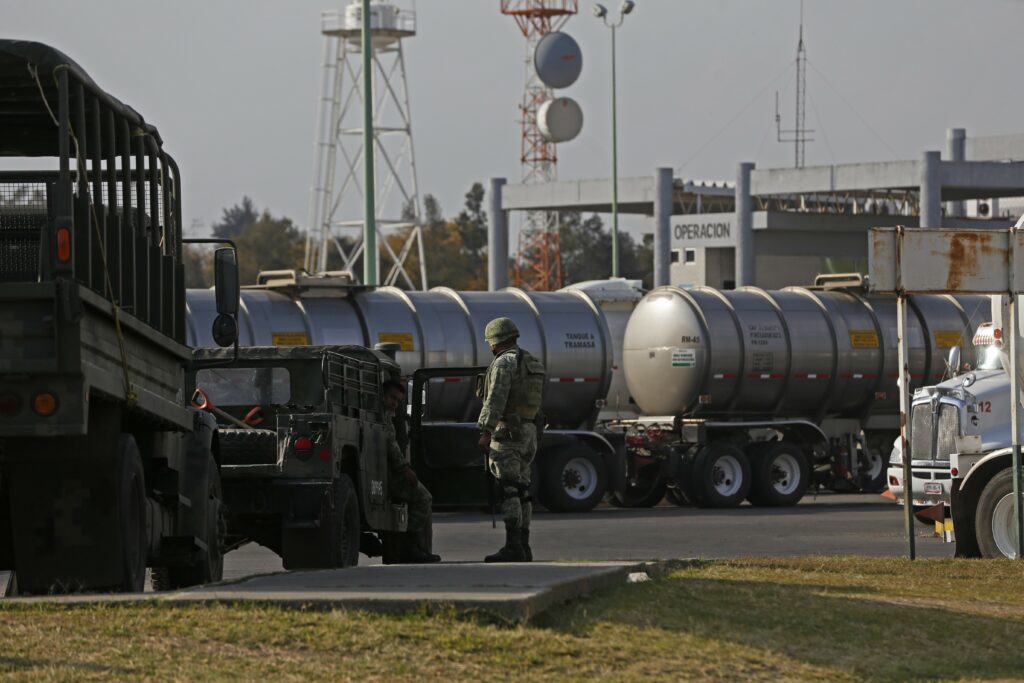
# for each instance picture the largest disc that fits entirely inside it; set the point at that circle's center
(985, 406)
(376, 487)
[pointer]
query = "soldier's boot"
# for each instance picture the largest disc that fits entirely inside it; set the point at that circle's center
(524, 539)
(512, 551)
(412, 553)
(370, 545)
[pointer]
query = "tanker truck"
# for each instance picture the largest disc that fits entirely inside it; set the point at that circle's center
(569, 330)
(757, 395)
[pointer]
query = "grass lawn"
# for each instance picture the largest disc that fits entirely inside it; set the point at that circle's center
(822, 619)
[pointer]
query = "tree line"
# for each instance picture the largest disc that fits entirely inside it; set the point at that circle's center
(455, 248)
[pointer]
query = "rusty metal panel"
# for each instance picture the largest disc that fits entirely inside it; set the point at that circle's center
(920, 260)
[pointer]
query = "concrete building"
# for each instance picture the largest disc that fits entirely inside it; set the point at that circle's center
(779, 227)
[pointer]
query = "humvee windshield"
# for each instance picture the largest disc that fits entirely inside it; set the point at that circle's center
(245, 386)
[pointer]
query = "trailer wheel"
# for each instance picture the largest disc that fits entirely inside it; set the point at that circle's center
(780, 475)
(210, 565)
(573, 479)
(648, 491)
(871, 477)
(995, 524)
(334, 542)
(723, 476)
(247, 446)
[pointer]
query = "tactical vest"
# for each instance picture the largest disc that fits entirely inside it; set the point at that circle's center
(524, 396)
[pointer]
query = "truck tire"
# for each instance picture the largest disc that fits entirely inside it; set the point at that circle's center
(722, 476)
(209, 567)
(573, 479)
(131, 515)
(995, 525)
(335, 541)
(247, 446)
(871, 477)
(779, 475)
(649, 490)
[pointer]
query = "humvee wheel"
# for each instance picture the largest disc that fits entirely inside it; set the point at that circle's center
(335, 541)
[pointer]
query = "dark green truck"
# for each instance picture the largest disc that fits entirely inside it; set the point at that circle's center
(302, 446)
(105, 469)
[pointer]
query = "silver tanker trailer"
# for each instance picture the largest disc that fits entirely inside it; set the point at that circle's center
(576, 332)
(750, 394)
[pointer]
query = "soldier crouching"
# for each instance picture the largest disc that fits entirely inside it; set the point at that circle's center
(404, 486)
(511, 393)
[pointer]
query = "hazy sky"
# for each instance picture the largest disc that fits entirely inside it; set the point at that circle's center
(233, 85)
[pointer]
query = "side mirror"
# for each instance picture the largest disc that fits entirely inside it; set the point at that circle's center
(225, 330)
(953, 363)
(225, 276)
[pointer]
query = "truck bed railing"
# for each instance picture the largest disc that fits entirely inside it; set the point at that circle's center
(109, 216)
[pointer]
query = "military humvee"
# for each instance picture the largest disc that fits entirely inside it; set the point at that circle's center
(302, 447)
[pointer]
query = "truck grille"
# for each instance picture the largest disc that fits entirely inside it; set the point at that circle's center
(921, 432)
(949, 429)
(922, 447)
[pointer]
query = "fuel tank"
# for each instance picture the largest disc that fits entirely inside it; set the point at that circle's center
(439, 328)
(798, 351)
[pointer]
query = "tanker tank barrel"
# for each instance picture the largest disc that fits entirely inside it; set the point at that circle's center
(571, 331)
(807, 352)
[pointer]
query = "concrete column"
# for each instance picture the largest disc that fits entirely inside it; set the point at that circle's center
(662, 226)
(497, 238)
(956, 144)
(931, 191)
(744, 226)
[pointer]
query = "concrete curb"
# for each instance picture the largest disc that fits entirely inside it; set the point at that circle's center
(511, 593)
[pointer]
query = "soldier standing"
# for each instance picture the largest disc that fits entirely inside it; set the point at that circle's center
(405, 487)
(511, 393)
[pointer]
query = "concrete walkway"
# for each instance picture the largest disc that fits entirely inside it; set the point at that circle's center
(515, 592)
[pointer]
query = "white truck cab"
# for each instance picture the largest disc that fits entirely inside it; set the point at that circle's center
(970, 410)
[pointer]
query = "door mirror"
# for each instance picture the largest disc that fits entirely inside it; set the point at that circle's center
(953, 362)
(225, 275)
(225, 330)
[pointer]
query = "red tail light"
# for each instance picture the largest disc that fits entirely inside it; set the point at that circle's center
(325, 454)
(63, 245)
(303, 444)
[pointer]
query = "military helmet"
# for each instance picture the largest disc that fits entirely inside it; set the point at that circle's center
(499, 330)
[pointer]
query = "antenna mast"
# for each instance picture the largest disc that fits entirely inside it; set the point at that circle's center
(538, 265)
(800, 131)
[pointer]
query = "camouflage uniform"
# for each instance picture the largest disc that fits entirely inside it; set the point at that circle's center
(511, 393)
(417, 497)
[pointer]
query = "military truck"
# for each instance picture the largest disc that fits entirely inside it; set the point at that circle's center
(104, 468)
(302, 448)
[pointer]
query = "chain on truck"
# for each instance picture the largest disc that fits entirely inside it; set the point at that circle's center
(106, 469)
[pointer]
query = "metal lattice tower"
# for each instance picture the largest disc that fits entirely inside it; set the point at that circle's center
(538, 264)
(336, 204)
(800, 131)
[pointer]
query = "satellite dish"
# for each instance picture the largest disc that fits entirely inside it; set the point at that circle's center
(560, 119)
(558, 60)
